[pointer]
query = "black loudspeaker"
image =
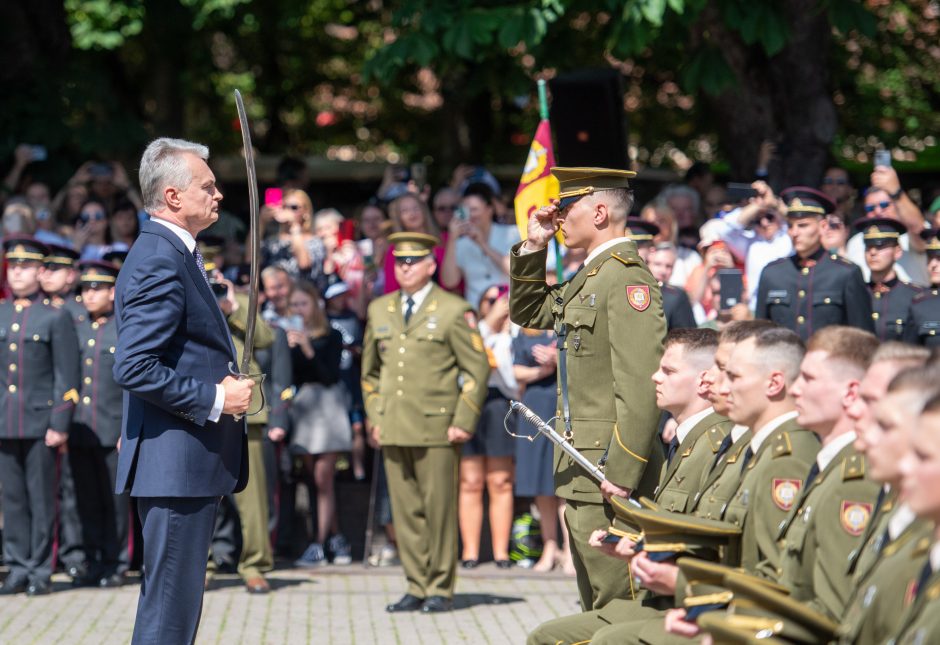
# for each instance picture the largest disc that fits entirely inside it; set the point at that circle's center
(588, 119)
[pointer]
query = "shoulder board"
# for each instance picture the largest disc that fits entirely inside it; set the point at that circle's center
(715, 436)
(781, 446)
(913, 287)
(784, 260)
(925, 295)
(922, 547)
(838, 259)
(629, 259)
(853, 467)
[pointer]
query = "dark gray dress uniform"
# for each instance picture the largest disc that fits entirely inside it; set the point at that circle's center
(38, 391)
(93, 454)
(925, 308)
(70, 538)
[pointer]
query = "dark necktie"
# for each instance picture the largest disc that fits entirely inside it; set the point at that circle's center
(813, 473)
(925, 574)
(748, 454)
(409, 308)
(673, 446)
(200, 263)
(722, 450)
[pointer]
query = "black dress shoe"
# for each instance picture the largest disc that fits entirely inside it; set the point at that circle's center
(436, 605)
(406, 603)
(11, 587)
(469, 564)
(504, 564)
(38, 588)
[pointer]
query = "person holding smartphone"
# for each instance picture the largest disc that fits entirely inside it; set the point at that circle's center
(294, 247)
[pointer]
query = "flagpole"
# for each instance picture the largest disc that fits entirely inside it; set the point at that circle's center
(543, 114)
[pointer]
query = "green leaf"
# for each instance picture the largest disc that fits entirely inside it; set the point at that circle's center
(707, 71)
(847, 15)
(653, 11)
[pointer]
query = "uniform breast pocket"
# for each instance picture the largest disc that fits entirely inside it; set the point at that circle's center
(823, 300)
(36, 345)
(928, 330)
(580, 325)
(674, 500)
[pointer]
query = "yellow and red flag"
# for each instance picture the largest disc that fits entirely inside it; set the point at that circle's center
(537, 185)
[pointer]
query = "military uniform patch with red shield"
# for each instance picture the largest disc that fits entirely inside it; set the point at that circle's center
(785, 492)
(855, 516)
(638, 295)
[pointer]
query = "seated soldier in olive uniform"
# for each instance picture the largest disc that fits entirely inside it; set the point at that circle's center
(424, 373)
(680, 390)
(891, 298)
(920, 487)
(610, 326)
(812, 288)
(38, 392)
(925, 308)
(676, 305)
(894, 547)
(96, 430)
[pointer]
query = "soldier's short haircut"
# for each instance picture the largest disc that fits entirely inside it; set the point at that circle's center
(698, 345)
(163, 165)
(848, 345)
(780, 349)
(619, 202)
(898, 352)
(924, 379)
(739, 330)
(932, 406)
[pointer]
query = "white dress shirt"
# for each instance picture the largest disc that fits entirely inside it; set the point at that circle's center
(828, 452)
(683, 429)
(768, 428)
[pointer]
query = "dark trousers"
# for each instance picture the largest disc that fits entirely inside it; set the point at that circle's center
(71, 550)
(177, 531)
(27, 476)
(105, 517)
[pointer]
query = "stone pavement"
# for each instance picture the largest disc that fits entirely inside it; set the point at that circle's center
(331, 605)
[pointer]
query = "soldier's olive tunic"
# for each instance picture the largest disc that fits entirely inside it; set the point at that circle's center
(721, 481)
(614, 346)
(920, 624)
(682, 478)
(884, 583)
(771, 482)
(925, 319)
(826, 524)
(419, 379)
(808, 294)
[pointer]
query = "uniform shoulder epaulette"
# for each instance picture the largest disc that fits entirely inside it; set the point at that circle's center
(715, 437)
(835, 257)
(922, 547)
(853, 467)
(926, 294)
(782, 260)
(629, 259)
(781, 446)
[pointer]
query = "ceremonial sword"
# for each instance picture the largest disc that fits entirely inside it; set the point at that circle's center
(255, 242)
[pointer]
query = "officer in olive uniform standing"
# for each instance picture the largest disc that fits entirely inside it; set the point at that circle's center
(925, 308)
(96, 430)
(812, 288)
(676, 305)
(424, 374)
(610, 326)
(891, 298)
(38, 392)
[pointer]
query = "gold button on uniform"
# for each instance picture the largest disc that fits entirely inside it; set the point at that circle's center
(87, 380)
(94, 325)
(15, 327)
(398, 393)
(89, 361)
(800, 320)
(91, 342)
(400, 378)
(401, 364)
(801, 293)
(597, 444)
(35, 337)
(827, 301)
(12, 388)
(12, 367)
(18, 308)
(403, 336)
(86, 400)
(443, 410)
(875, 316)
(805, 271)
(401, 350)
(878, 295)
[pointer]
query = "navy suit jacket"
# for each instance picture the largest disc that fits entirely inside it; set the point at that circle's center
(174, 346)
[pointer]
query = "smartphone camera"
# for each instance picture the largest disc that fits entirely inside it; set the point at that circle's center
(219, 289)
(883, 158)
(462, 214)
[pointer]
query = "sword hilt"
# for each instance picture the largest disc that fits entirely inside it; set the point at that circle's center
(258, 379)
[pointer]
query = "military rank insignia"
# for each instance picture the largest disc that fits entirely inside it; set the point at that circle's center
(855, 516)
(471, 319)
(638, 295)
(785, 492)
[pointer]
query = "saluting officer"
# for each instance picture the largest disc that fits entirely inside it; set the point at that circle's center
(60, 278)
(97, 428)
(676, 305)
(424, 374)
(812, 289)
(38, 392)
(925, 308)
(891, 298)
(610, 326)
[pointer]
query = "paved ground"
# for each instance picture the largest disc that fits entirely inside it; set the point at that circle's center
(333, 605)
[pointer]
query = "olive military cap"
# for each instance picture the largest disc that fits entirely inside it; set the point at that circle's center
(726, 628)
(641, 231)
(880, 231)
(803, 201)
(575, 183)
(706, 585)
(411, 247)
(667, 535)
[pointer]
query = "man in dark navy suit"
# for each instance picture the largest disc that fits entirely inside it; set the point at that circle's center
(181, 446)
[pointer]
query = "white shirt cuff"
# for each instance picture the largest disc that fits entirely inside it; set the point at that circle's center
(216, 411)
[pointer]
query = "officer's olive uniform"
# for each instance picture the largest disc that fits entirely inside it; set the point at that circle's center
(925, 318)
(38, 390)
(808, 294)
(883, 585)
(419, 379)
(721, 481)
(611, 311)
(678, 486)
(772, 479)
(920, 624)
(827, 523)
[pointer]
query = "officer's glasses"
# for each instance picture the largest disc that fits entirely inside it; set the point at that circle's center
(871, 208)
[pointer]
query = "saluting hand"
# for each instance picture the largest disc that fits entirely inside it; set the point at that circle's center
(237, 395)
(542, 226)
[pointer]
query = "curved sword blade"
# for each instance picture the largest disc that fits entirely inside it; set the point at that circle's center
(255, 237)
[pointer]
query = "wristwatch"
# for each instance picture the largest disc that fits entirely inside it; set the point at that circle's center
(894, 196)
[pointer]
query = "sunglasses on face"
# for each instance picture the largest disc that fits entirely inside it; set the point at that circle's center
(87, 216)
(834, 222)
(767, 218)
(870, 208)
(832, 181)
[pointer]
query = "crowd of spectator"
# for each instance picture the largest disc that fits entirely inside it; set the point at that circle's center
(322, 267)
